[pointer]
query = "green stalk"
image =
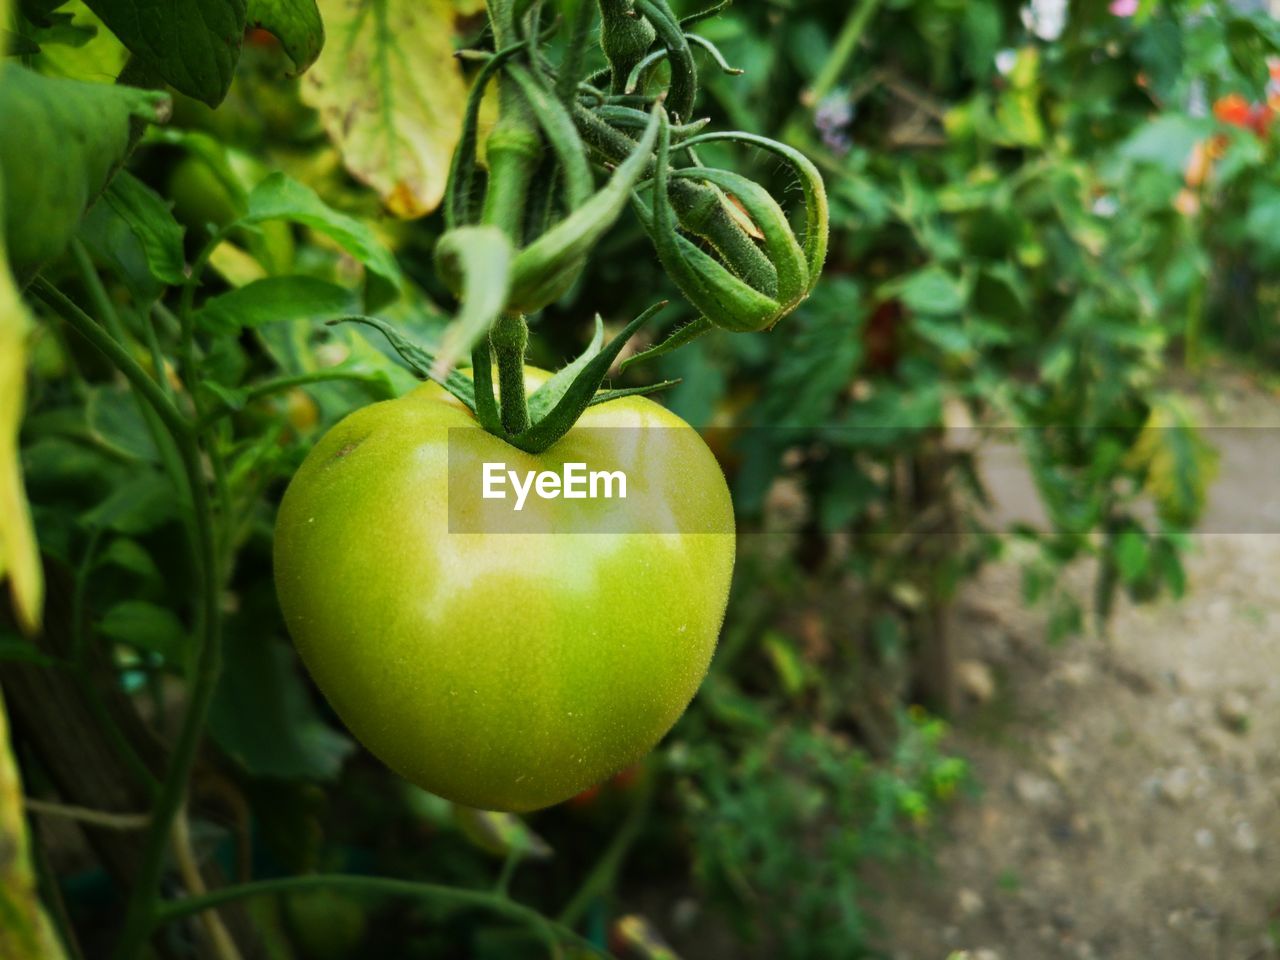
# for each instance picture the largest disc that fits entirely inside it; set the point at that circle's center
(510, 339)
(514, 146)
(268, 387)
(190, 378)
(579, 15)
(846, 44)
(453, 896)
(99, 339)
(111, 320)
(141, 910)
(605, 873)
(513, 150)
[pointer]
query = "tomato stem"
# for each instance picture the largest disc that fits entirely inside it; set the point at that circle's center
(439, 893)
(842, 52)
(140, 914)
(510, 339)
(515, 144)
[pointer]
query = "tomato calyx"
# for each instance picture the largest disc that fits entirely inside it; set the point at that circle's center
(532, 423)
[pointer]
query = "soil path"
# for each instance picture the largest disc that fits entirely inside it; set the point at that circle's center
(1131, 784)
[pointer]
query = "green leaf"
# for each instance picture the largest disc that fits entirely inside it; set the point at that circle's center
(115, 420)
(642, 939)
(264, 718)
(228, 398)
(75, 44)
(1249, 47)
(789, 666)
(297, 25)
(151, 221)
(129, 555)
(1131, 555)
(949, 336)
(1166, 142)
(144, 503)
(1262, 221)
(932, 291)
(114, 246)
(276, 300)
(62, 141)
(391, 96)
(148, 627)
(193, 45)
(279, 197)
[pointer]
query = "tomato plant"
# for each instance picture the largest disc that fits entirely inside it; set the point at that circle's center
(230, 256)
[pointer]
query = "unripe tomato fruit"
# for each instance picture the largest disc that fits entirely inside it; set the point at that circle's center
(503, 671)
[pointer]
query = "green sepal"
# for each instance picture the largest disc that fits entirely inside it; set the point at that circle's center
(780, 244)
(461, 207)
(571, 240)
(476, 263)
(561, 133)
(629, 118)
(817, 214)
(707, 14)
(548, 395)
(604, 396)
(725, 300)
(728, 302)
(716, 55)
(579, 394)
(633, 78)
(684, 72)
(638, 71)
(684, 336)
(419, 360)
(482, 380)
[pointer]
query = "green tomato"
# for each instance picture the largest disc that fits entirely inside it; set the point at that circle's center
(504, 670)
(325, 924)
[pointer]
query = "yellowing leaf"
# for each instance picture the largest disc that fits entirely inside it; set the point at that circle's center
(500, 833)
(19, 556)
(642, 938)
(25, 931)
(390, 95)
(1179, 464)
(236, 266)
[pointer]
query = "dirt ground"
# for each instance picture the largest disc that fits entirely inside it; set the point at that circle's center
(1130, 805)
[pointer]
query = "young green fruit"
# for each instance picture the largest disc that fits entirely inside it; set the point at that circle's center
(504, 670)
